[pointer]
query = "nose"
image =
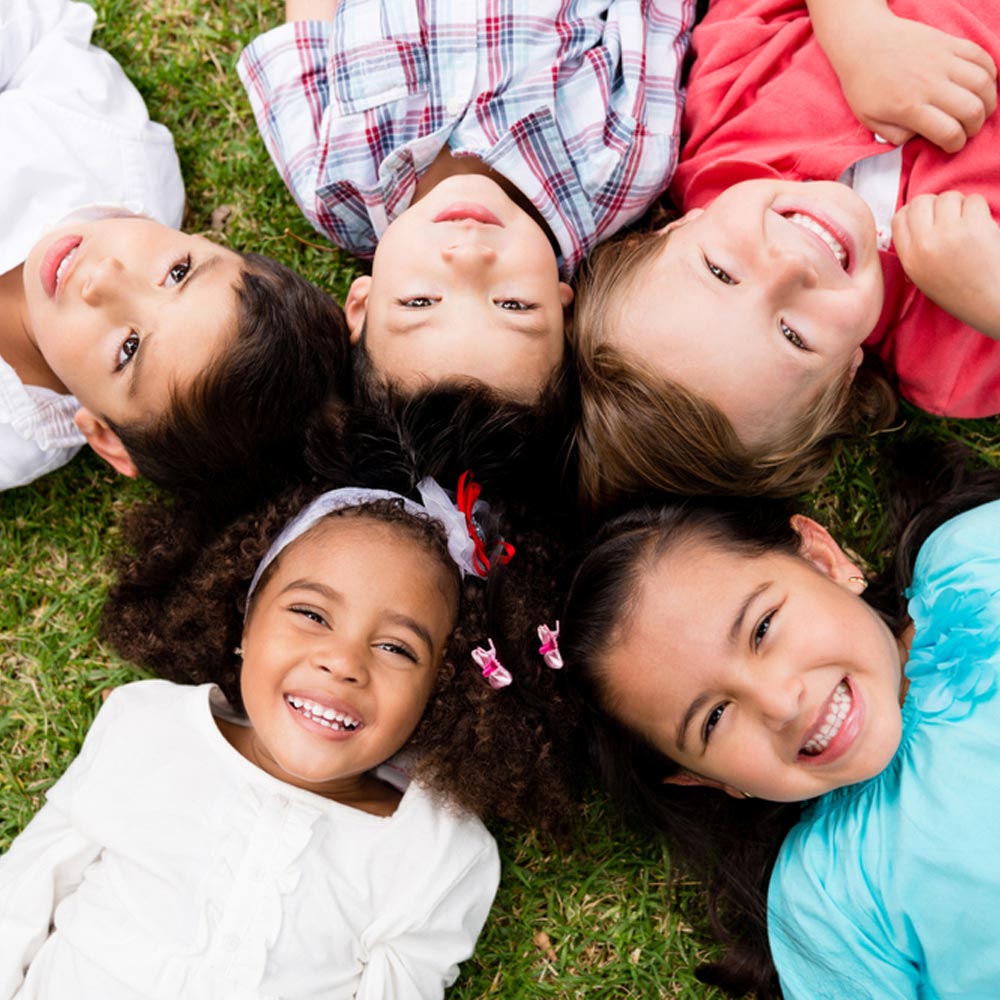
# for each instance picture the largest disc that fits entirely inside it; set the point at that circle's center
(789, 270)
(103, 281)
(343, 660)
(778, 697)
(469, 258)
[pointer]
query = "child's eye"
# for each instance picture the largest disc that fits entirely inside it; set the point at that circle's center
(761, 630)
(792, 337)
(514, 305)
(178, 272)
(399, 649)
(719, 273)
(313, 616)
(127, 350)
(416, 302)
(712, 721)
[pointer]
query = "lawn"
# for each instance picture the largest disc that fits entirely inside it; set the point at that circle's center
(594, 920)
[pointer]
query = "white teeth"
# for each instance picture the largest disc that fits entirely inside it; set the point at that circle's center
(807, 222)
(840, 706)
(62, 265)
(328, 717)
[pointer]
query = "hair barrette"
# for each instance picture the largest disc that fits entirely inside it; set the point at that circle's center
(549, 649)
(466, 499)
(494, 671)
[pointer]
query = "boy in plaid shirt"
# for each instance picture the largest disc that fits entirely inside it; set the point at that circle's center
(476, 150)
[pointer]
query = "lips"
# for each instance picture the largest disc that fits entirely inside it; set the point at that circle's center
(57, 263)
(837, 725)
(832, 237)
(468, 211)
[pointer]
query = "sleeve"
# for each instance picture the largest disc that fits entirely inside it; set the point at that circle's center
(43, 866)
(46, 862)
(23, 461)
(421, 961)
(286, 76)
(827, 934)
(23, 23)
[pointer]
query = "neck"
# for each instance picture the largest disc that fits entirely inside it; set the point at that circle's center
(445, 165)
(359, 791)
(17, 346)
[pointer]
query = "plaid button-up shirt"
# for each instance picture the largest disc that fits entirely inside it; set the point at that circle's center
(577, 103)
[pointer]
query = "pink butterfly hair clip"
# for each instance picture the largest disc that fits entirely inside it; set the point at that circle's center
(549, 649)
(494, 671)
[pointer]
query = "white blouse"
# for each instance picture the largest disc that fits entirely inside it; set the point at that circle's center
(166, 865)
(75, 132)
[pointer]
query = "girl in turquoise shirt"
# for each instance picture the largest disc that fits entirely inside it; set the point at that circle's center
(825, 753)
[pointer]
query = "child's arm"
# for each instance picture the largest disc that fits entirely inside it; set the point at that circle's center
(949, 246)
(310, 10)
(43, 866)
(903, 78)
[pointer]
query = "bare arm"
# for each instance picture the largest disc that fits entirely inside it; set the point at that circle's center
(949, 246)
(904, 78)
(310, 10)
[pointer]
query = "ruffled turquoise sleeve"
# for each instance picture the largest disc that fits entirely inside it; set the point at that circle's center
(956, 614)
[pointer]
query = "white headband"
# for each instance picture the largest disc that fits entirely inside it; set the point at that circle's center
(436, 504)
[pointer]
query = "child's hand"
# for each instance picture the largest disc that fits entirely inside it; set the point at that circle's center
(949, 247)
(310, 10)
(901, 77)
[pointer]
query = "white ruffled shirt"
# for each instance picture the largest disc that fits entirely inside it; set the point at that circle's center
(169, 866)
(75, 133)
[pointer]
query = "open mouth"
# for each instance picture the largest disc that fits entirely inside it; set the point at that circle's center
(324, 715)
(836, 247)
(837, 711)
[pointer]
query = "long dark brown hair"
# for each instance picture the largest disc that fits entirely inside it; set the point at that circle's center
(729, 844)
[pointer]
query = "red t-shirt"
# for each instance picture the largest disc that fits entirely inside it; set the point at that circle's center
(763, 101)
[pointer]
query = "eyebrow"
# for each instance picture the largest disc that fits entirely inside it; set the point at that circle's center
(392, 617)
(734, 631)
(136, 367)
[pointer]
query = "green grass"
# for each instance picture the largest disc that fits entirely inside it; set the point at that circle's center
(593, 921)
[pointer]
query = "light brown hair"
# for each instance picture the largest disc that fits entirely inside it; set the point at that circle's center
(640, 432)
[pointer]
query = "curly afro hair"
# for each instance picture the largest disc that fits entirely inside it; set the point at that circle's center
(507, 755)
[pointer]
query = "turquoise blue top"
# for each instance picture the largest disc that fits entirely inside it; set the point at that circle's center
(891, 888)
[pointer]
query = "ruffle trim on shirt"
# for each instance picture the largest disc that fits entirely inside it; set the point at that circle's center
(255, 865)
(951, 664)
(38, 414)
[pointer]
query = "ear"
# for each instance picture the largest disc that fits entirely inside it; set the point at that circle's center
(688, 779)
(356, 306)
(817, 545)
(565, 294)
(105, 442)
(859, 356)
(687, 217)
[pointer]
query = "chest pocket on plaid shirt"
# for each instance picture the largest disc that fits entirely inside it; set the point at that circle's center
(379, 72)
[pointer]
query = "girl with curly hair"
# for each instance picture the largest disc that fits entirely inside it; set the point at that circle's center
(822, 752)
(299, 822)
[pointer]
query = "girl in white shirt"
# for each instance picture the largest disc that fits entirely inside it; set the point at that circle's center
(254, 847)
(116, 328)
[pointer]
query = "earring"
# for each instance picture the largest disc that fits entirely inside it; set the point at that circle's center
(858, 579)
(746, 795)
(238, 650)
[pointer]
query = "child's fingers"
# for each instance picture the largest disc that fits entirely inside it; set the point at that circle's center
(976, 55)
(941, 127)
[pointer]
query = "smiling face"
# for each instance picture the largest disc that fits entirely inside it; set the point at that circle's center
(464, 286)
(767, 675)
(759, 302)
(338, 662)
(124, 310)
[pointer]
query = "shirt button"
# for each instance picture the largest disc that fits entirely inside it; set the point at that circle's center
(230, 942)
(455, 107)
